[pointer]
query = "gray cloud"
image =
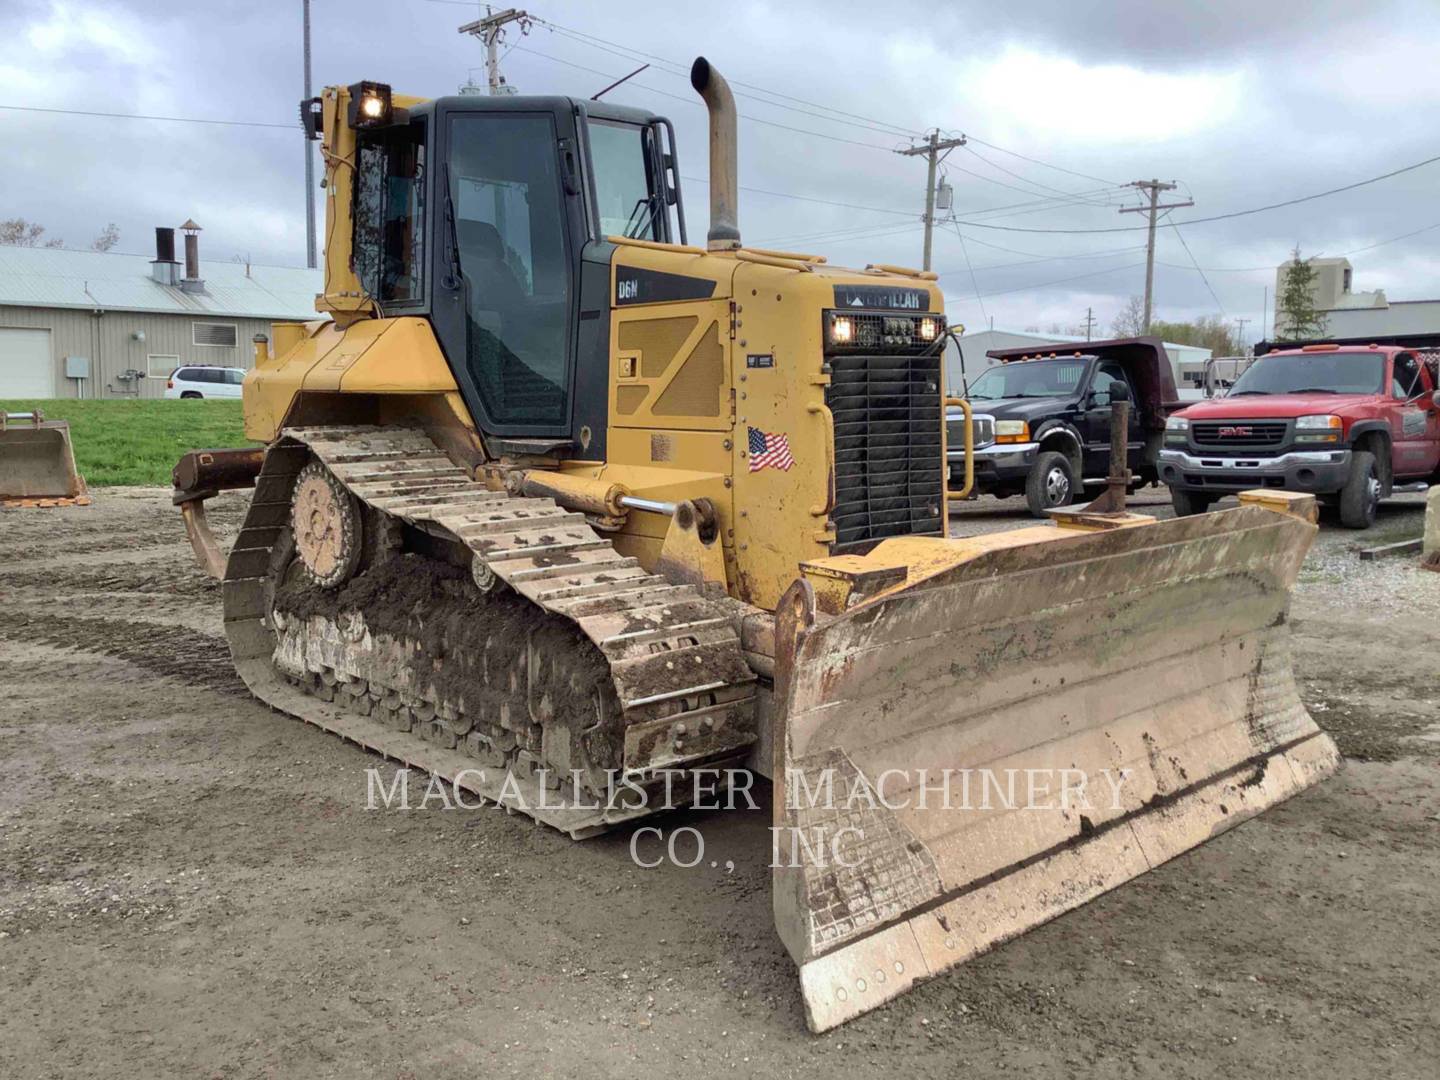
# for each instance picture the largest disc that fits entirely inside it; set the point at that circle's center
(1246, 103)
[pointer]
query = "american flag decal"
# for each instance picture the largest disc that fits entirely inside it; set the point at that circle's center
(768, 450)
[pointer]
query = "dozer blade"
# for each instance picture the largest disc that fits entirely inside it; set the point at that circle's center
(1097, 702)
(37, 463)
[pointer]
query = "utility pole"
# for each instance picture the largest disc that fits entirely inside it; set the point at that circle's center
(309, 155)
(1154, 188)
(931, 148)
(1240, 331)
(490, 30)
(1089, 322)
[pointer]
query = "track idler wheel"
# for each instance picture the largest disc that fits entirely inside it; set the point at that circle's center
(325, 520)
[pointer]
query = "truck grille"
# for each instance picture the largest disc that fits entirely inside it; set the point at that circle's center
(955, 432)
(889, 476)
(1239, 432)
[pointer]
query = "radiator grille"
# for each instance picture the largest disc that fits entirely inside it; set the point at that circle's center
(984, 427)
(1239, 432)
(889, 476)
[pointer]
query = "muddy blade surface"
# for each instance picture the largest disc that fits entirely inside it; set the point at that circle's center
(38, 463)
(1155, 656)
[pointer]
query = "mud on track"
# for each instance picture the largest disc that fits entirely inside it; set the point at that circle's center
(190, 884)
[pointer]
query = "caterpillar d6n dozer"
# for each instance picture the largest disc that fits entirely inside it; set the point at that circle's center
(554, 498)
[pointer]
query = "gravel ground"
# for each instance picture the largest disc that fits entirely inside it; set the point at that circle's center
(190, 884)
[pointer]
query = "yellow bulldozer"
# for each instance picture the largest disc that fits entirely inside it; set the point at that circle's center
(560, 507)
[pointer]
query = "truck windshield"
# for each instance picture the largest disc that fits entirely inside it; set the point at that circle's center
(1325, 372)
(1030, 378)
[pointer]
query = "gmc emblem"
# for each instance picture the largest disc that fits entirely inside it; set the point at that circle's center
(1236, 432)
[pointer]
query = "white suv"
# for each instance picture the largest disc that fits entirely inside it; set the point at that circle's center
(202, 382)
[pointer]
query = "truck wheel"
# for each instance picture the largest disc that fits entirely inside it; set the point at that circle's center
(1188, 503)
(1360, 496)
(1051, 483)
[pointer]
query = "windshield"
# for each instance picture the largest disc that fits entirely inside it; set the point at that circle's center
(509, 224)
(623, 196)
(1030, 378)
(1324, 372)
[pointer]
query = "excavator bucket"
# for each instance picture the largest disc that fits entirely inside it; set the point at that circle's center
(37, 462)
(975, 736)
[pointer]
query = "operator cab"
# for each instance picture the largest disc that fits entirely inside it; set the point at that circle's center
(489, 215)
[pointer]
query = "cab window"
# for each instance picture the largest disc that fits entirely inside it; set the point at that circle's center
(510, 230)
(1106, 376)
(1405, 383)
(389, 213)
(626, 201)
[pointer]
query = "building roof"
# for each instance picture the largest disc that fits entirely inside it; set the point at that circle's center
(55, 278)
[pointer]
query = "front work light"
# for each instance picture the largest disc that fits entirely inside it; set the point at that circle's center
(928, 329)
(842, 330)
(370, 105)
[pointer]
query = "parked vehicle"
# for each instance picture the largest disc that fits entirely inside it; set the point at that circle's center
(197, 381)
(1042, 419)
(1346, 423)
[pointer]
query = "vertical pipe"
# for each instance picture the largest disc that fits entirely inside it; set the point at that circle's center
(724, 232)
(192, 256)
(310, 259)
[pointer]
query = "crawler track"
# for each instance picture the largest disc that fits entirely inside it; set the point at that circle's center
(508, 717)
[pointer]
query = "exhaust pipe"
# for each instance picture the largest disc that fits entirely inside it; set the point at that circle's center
(724, 232)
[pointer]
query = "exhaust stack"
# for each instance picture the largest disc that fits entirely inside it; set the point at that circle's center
(192, 282)
(724, 232)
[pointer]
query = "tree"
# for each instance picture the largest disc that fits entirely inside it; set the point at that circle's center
(108, 238)
(18, 232)
(1131, 320)
(1208, 332)
(1296, 316)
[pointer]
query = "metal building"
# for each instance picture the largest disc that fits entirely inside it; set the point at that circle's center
(101, 325)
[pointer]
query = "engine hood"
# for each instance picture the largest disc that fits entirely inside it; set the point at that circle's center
(1280, 406)
(1028, 409)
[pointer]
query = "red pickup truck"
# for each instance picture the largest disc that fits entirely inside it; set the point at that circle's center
(1344, 422)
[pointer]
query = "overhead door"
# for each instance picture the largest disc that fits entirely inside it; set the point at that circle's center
(26, 369)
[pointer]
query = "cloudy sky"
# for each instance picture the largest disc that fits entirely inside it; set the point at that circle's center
(1244, 103)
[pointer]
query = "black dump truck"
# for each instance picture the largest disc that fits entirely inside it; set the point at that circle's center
(1042, 418)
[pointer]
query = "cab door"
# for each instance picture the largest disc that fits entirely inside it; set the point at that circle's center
(1096, 419)
(1414, 419)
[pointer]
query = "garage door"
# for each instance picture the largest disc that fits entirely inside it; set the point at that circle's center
(26, 370)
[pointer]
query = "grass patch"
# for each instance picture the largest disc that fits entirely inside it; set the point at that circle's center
(139, 441)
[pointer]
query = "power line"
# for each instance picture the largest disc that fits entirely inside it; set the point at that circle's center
(680, 70)
(140, 116)
(1062, 281)
(974, 282)
(809, 198)
(1041, 259)
(1180, 236)
(1024, 180)
(698, 103)
(1268, 269)
(1224, 217)
(1043, 164)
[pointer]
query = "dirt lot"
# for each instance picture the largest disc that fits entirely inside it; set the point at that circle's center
(190, 884)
